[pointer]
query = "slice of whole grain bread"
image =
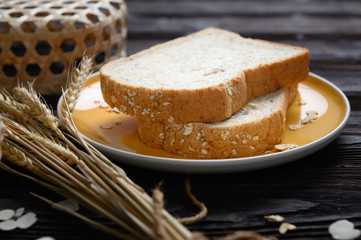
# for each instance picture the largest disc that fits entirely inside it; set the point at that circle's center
(204, 77)
(254, 129)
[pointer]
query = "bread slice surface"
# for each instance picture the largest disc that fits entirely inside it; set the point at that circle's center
(254, 129)
(203, 77)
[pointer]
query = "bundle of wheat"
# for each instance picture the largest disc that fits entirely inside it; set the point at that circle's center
(35, 144)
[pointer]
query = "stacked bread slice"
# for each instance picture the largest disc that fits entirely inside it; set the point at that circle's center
(211, 94)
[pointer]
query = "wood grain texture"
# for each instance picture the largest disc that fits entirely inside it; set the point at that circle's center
(310, 193)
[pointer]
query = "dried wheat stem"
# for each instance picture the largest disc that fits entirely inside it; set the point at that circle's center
(88, 220)
(63, 153)
(72, 187)
(2, 136)
(71, 178)
(38, 144)
(176, 229)
(85, 200)
(45, 184)
(103, 179)
(102, 173)
(121, 202)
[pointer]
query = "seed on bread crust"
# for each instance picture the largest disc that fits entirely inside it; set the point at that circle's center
(188, 129)
(161, 135)
(171, 119)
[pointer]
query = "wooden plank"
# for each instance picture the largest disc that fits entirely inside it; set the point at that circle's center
(248, 8)
(262, 27)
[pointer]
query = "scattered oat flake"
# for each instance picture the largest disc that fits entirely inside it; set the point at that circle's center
(103, 104)
(69, 204)
(274, 218)
(301, 102)
(118, 122)
(6, 214)
(171, 119)
(45, 238)
(346, 234)
(106, 126)
(26, 221)
(253, 105)
(283, 147)
(312, 115)
(8, 225)
(19, 212)
(343, 229)
(285, 227)
(293, 127)
(115, 110)
(305, 120)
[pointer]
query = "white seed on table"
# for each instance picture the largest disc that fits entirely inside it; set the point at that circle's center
(284, 227)
(274, 218)
(19, 212)
(8, 225)
(343, 229)
(45, 238)
(6, 214)
(26, 220)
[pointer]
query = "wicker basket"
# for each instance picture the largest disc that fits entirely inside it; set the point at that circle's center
(40, 39)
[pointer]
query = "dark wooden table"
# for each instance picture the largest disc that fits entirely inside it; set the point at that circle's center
(310, 193)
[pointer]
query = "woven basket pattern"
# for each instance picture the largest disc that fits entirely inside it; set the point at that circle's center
(42, 39)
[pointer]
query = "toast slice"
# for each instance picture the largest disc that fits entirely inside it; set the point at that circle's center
(254, 129)
(204, 77)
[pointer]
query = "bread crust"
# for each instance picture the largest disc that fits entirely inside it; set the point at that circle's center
(209, 104)
(199, 140)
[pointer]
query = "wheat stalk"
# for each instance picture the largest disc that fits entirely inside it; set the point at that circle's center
(2, 134)
(84, 175)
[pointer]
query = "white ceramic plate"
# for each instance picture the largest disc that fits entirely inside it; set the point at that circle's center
(225, 165)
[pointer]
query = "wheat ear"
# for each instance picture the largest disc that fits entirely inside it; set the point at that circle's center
(76, 83)
(39, 110)
(13, 107)
(14, 155)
